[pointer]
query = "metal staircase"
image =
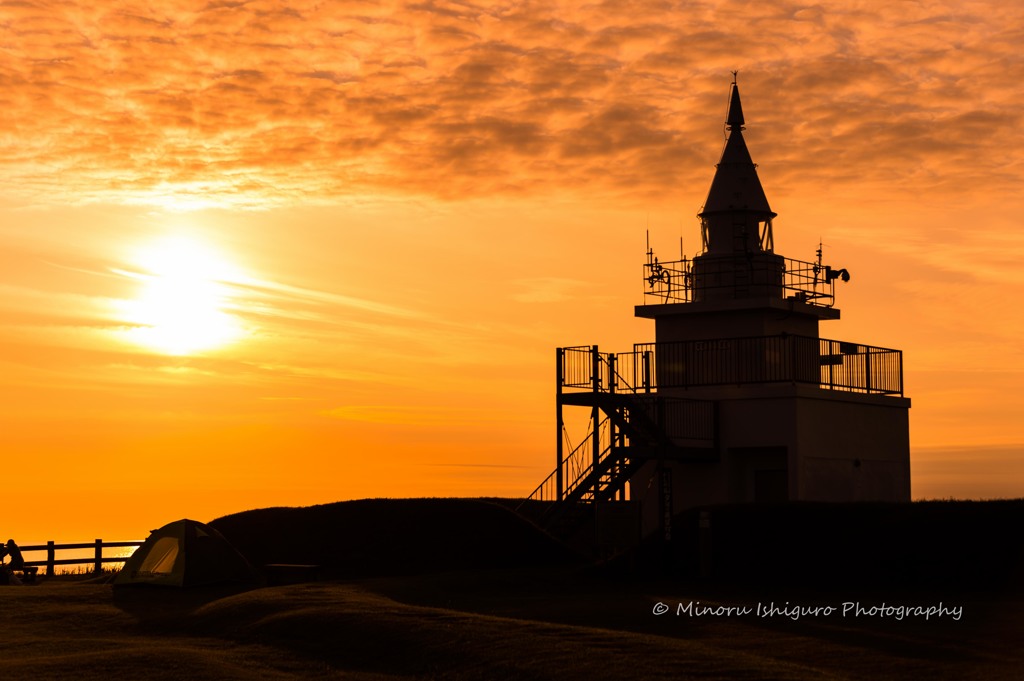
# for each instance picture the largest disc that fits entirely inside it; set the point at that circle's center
(629, 426)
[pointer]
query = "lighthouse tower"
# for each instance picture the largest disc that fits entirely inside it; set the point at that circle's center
(739, 398)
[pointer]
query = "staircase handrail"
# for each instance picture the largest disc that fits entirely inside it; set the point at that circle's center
(580, 472)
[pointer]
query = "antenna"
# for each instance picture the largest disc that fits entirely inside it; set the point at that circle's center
(658, 273)
(817, 265)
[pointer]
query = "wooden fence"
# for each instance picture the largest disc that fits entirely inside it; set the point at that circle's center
(96, 560)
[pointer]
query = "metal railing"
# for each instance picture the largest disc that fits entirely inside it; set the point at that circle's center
(679, 418)
(575, 467)
(619, 372)
(578, 367)
(621, 385)
(686, 280)
(828, 364)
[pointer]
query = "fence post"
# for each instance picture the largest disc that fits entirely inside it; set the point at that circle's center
(612, 372)
(595, 413)
(831, 367)
(867, 369)
(899, 358)
(647, 370)
(98, 565)
(559, 423)
(50, 557)
(794, 364)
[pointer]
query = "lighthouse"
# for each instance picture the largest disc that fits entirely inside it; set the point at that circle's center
(739, 398)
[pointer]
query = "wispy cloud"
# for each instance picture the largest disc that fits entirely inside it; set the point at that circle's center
(286, 300)
(193, 104)
(420, 415)
(547, 289)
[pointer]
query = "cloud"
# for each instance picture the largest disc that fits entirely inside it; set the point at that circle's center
(259, 103)
(547, 289)
(287, 300)
(419, 415)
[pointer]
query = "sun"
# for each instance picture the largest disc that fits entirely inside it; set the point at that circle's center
(183, 303)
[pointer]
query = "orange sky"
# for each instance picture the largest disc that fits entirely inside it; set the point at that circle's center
(406, 207)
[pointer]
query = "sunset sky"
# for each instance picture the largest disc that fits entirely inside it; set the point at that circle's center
(287, 253)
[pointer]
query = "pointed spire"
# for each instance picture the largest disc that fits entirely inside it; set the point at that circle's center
(735, 118)
(736, 186)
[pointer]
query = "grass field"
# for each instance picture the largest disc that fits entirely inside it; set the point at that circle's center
(524, 624)
(548, 620)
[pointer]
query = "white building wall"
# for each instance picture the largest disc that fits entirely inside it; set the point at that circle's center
(853, 448)
(826, 445)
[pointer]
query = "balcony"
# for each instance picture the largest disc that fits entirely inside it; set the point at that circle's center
(687, 281)
(827, 364)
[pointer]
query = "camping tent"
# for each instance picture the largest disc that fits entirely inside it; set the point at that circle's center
(185, 553)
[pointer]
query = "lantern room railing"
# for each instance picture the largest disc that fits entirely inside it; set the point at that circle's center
(679, 281)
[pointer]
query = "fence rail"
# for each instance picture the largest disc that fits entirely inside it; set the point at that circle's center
(96, 560)
(687, 281)
(680, 419)
(828, 364)
(578, 367)
(573, 467)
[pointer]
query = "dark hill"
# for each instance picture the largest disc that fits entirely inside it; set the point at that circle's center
(383, 537)
(961, 545)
